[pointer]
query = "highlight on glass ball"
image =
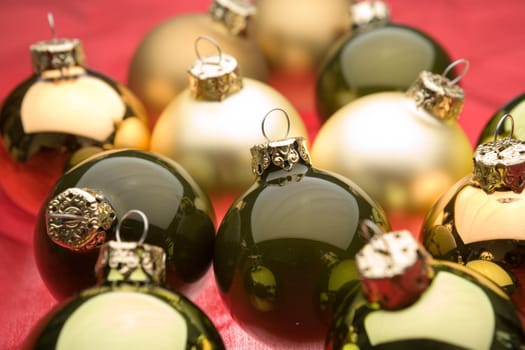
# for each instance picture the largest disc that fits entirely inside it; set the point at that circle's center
(375, 55)
(209, 126)
(408, 300)
(129, 307)
(478, 221)
(81, 211)
(285, 249)
(158, 70)
(404, 149)
(64, 106)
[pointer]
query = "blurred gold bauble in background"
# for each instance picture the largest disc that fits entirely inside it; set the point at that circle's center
(399, 152)
(295, 34)
(158, 70)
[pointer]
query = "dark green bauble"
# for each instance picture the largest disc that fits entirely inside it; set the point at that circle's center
(372, 59)
(516, 108)
(460, 309)
(285, 247)
(181, 219)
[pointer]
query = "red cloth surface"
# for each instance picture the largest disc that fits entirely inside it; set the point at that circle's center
(489, 34)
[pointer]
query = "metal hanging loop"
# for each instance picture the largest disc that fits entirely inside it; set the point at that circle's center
(466, 66)
(51, 22)
(500, 124)
(367, 226)
(265, 118)
(144, 220)
(211, 41)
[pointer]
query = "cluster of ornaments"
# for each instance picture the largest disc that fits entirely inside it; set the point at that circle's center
(305, 255)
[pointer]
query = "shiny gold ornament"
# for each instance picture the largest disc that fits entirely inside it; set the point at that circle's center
(208, 127)
(405, 150)
(295, 34)
(62, 113)
(158, 67)
(479, 221)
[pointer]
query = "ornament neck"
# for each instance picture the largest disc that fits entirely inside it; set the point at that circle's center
(394, 269)
(130, 263)
(214, 78)
(79, 219)
(279, 155)
(63, 56)
(369, 14)
(234, 14)
(438, 95)
(500, 165)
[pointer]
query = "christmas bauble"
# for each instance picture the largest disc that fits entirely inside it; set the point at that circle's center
(158, 70)
(295, 34)
(478, 221)
(376, 55)
(404, 149)
(63, 107)
(209, 126)
(449, 306)
(79, 214)
(516, 108)
(286, 246)
(129, 308)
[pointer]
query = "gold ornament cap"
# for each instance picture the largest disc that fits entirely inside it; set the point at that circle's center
(213, 78)
(500, 164)
(79, 219)
(438, 95)
(131, 262)
(365, 13)
(234, 14)
(56, 53)
(283, 154)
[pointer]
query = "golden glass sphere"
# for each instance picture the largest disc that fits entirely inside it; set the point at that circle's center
(158, 70)
(401, 155)
(212, 139)
(295, 34)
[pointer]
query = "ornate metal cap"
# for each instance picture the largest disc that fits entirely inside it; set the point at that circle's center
(500, 164)
(234, 14)
(78, 219)
(213, 78)
(438, 95)
(56, 53)
(366, 13)
(283, 154)
(131, 262)
(394, 268)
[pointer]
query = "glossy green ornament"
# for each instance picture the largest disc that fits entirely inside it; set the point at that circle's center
(81, 210)
(516, 108)
(374, 56)
(129, 308)
(285, 247)
(454, 308)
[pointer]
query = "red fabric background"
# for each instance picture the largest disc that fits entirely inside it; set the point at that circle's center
(489, 34)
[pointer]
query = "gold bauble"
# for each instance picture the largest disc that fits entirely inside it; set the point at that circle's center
(158, 67)
(295, 34)
(211, 139)
(400, 153)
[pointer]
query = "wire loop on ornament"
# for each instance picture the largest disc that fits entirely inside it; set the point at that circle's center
(500, 124)
(368, 225)
(266, 116)
(211, 41)
(144, 220)
(51, 21)
(447, 70)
